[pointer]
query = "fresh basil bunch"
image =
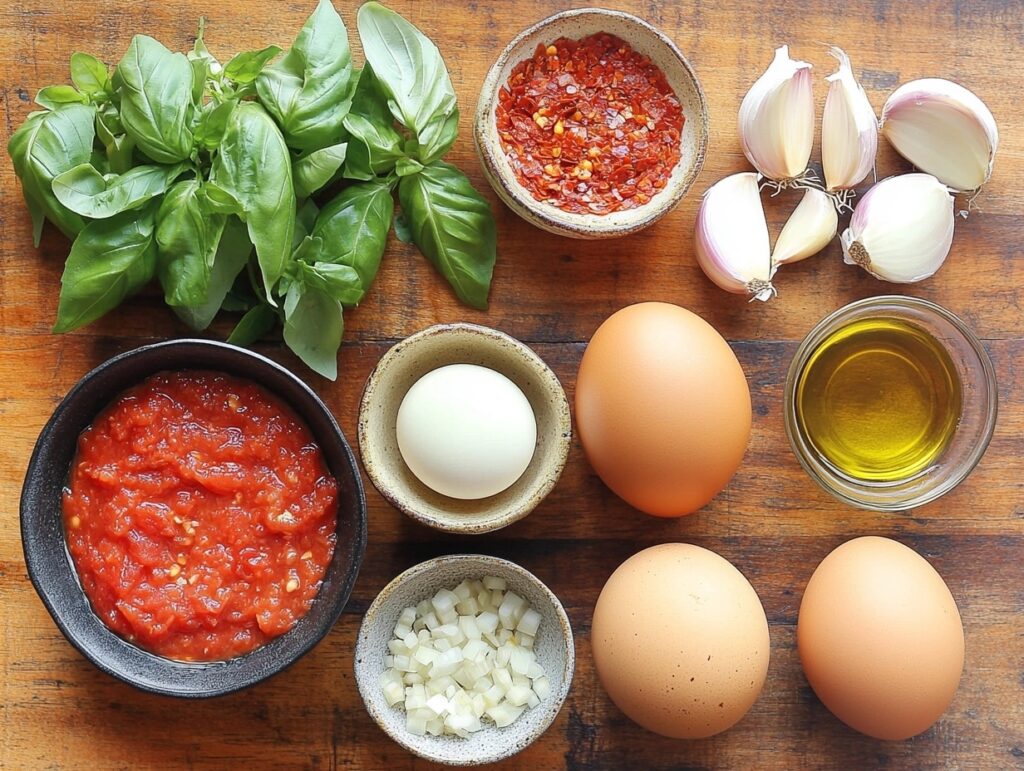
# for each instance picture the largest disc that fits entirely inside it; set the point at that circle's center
(264, 186)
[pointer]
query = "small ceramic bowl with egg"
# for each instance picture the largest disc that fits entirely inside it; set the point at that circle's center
(463, 428)
(496, 156)
(552, 646)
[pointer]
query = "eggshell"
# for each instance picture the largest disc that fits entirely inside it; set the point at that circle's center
(662, 408)
(880, 638)
(680, 641)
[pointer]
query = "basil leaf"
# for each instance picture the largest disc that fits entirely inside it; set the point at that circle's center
(305, 220)
(413, 75)
(232, 254)
(402, 228)
(254, 166)
(373, 147)
(353, 228)
(53, 97)
(85, 191)
(452, 224)
(339, 281)
(313, 327)
(255, 324)
(187, 237)
(89, 74)
(156, 99)
(109, 260)
(218, 200)
(246, 66)
(312, 171)
(47, 144)
(309, 91)
(213, 122)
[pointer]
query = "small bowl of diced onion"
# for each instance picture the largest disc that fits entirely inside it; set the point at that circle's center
(465, 659)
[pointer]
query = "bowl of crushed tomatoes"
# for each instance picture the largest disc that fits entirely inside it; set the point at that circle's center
(591, 124)
(193, 518)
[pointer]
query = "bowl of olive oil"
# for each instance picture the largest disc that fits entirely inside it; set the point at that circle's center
(890, 402)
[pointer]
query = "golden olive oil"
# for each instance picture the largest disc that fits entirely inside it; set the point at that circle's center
(879, 400)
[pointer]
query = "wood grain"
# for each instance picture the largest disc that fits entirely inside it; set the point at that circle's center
(60, 712)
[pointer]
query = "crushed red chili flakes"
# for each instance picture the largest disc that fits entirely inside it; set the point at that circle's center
(590, 125)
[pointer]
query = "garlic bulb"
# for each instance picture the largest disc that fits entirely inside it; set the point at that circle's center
(902, 229)
(849, 130)
(732, 236)
(808, 230)
(777, 119)
(944, 130)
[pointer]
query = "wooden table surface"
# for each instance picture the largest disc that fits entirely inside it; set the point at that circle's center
(771, 521)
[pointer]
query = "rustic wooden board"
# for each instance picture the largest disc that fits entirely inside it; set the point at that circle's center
(58, 711)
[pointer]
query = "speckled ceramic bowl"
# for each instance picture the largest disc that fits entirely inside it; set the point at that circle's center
(424, 352)
(642, 37)
(53, 574)
(553, 646)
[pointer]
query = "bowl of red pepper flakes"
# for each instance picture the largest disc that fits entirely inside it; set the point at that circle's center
(591, 124)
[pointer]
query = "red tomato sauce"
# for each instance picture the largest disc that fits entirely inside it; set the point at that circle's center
(200, 516)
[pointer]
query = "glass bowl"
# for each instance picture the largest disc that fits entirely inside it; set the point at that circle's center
(973, 431)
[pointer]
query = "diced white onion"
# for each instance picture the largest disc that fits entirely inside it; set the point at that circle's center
(464, 655)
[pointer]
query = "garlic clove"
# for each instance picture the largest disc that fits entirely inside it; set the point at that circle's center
(902, 229)
(944, 130)
(808, 230)
(849, 129)
(777, 119)
(732, 237)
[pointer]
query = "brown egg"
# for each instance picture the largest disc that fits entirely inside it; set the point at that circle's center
(880, 638)
(680, 641)
(662, 408)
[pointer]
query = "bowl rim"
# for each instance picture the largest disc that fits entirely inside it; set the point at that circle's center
(568, 223)
(45, 582)
(819, 472)
(363, 635)
(523, 507)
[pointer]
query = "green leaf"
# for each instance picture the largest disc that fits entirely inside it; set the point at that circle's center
(85, 191)
(109, 260)
(187, 237)
(310, 89)
(89, 74)
(246, 66)
(155, 86)
(213, 122)
(413, 75)
(312, 171)
(313, 327)
(254, 166)
(254, 325)
(305, 219)
(339, 281)
(452, 225)
(53, 97)
(402, 228)
(353, 229)
(373, 148)
(232, 254)
(408, 166)
(217, 200)
(47, 144)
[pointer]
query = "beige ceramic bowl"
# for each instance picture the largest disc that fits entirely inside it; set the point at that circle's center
(642, 37)
(424, 352)
(553, 647)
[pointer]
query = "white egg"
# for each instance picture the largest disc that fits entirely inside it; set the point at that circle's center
(465, 431)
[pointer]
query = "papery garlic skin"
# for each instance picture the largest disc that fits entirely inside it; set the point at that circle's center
(944, 130)
(732, 237)
(849, 129)
(902, 229)
(777, 119)
(808, 230)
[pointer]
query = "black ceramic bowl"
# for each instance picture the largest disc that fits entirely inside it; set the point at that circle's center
(53, 573)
